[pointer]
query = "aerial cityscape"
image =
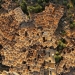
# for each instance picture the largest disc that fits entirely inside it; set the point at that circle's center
(37, 37)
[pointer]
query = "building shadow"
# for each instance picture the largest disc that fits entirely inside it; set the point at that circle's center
(71, 72)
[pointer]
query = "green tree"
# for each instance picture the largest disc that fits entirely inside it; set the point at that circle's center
(72, 25)
(24, 6)
(61, 45)
(69, 5)
(58, 57)
(35, 9)
(65, 2)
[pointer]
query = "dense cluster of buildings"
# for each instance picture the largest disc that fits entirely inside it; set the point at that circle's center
(28, 45)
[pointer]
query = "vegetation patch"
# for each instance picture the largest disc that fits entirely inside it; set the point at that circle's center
(69, 5)
(24, 7)
(72, 25)
(37, 8)
(64, 2)
(58, 57)
(61, 44)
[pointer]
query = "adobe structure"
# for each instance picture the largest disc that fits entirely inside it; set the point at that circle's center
(28, 44)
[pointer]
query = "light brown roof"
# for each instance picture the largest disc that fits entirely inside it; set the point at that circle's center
(49, 17)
